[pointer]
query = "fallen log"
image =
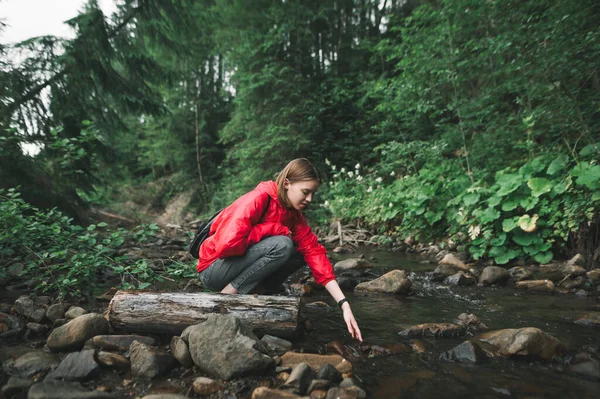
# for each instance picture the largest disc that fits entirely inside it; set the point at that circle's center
(169, 313)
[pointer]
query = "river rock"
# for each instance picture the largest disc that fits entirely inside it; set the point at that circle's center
(56, 311)
(115, 360)
(528, 341)
(76, 366)
(443, 271)
(292, 359)
(572, 283)
(319, 385)
(591, 319)
(72, 336)
(299, 379)
(346, 393)
(33, 309)
(584, 364)
(120, 343)
(494, 275)
(16, 387)
(536, 285)
(434, 330)
(573, 271)
(330, 373)
(470, 322)
(37, 329)
(31, 363)
(207, 386)
(594, 275)
(460, 278)
(149, 362)
(11, 322)
(577, 260)
(394, 282)
(268, 393)
(452, 259)
(352, 263)
(181, 352)
(74, 312)
(467, 352)
(519, 273)
(53, 389)
(550, 271)
(226, 347)
(276, 345)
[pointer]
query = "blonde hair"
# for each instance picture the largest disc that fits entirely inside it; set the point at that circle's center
(300, 169)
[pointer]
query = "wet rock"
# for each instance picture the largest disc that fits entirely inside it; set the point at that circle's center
(56, 311)
(268, 393)
(352, 263)
(120, 343)
(573, 271)
(452, 259)
(461, 279)
(572, 283)
(114, 360)
(321, 385)
(594, 275)
(207, 386)
(291, 359)
(330, 373)
(494, 275)
(347, 393)
(536, 285)
(30, 364)
(276, 345)
(149, 362)
(581, 293)
(58, 322)
(440, 255)
(348, 383)
(299, 379)
(74, 312)
(347, 282)
(577, 260)
(417, 346)
(391, 349)
(519, 273)
(53, 389)
(465, 352)
(72, 336)
(528, 341)
(37, 329)
(584, 364)
(226, 347)
(16, 387)
(434, 330)
(342, 250)
(11, 322)
(591, 319)
(181, 352)
(550, 271)
(470, 322)
(394, 282)
(76, 366)
(443, 271)
(185, 334)
(33, 309)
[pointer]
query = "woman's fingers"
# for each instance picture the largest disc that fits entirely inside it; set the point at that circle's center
(353, 328)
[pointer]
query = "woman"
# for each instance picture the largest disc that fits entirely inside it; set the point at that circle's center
(256, 240)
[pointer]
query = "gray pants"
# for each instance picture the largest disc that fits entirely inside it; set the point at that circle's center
(268, 263)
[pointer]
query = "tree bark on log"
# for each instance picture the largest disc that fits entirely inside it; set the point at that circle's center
(169, 313)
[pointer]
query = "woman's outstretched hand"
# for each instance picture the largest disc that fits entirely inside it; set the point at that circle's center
(351, 322)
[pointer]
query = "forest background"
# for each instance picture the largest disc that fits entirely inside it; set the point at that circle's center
(475, 123)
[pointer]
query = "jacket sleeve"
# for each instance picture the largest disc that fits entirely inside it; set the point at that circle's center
(314, 253)
(239, 228)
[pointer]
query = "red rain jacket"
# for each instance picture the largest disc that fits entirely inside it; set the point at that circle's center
(238, 227)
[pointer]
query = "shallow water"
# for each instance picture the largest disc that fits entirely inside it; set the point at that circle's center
(414, 375)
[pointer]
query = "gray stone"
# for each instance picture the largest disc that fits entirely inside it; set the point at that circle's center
(58, 322)
(12, 322)
(572, 283)
(348, 382)
(348, 393)
(30, 364)
(319, 384)
(207, 386)
(120, 343)
(519, 273)
(467, 352)
(115, 360)
(37, 329)
(577, 260)
(528, 341)
(33, 309)
(149, 362)
(328, 372)
(185, 334)
(77, 366)
(470, 322)
(394, 282)
(591, 319)
(550, 271)
(72, 336)
(16, 387)
(181, 352)
(452, 259)
(56, 311)
(584, 364)
(225, 347)
(461, 279)
(494, 275)
(276, 345)
(299, 379)
(352, 263)
(53, 389)
(443, 271)
(434, 330)
(573, 271)
(74, 312)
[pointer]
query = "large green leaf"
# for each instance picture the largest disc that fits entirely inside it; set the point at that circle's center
(539, 186)
(589, 149)
(529, 202)
(498, 240)
(470, 199)
(558, 164)
(489, 215)
(534, 166)
(543, 257)
(587, 175)
(528, 223)
(509, 224)
(508, 183)
(511, 203)
(523, 239)
(494, 200)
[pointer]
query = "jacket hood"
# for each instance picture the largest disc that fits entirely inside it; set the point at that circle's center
(269, 187)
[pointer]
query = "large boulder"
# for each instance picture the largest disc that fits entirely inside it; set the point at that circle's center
(76, 366)
(471, 351)
(528, 341)
(452, 259)
(148, 361)
(494, 275)
(72, 336)
(394, 282)
(225, 347)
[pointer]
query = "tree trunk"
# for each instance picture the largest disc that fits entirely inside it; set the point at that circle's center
(169, 313)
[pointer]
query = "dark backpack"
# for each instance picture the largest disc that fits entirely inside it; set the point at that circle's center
(203, 230)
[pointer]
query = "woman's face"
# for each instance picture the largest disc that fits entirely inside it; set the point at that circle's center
(300, 193)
